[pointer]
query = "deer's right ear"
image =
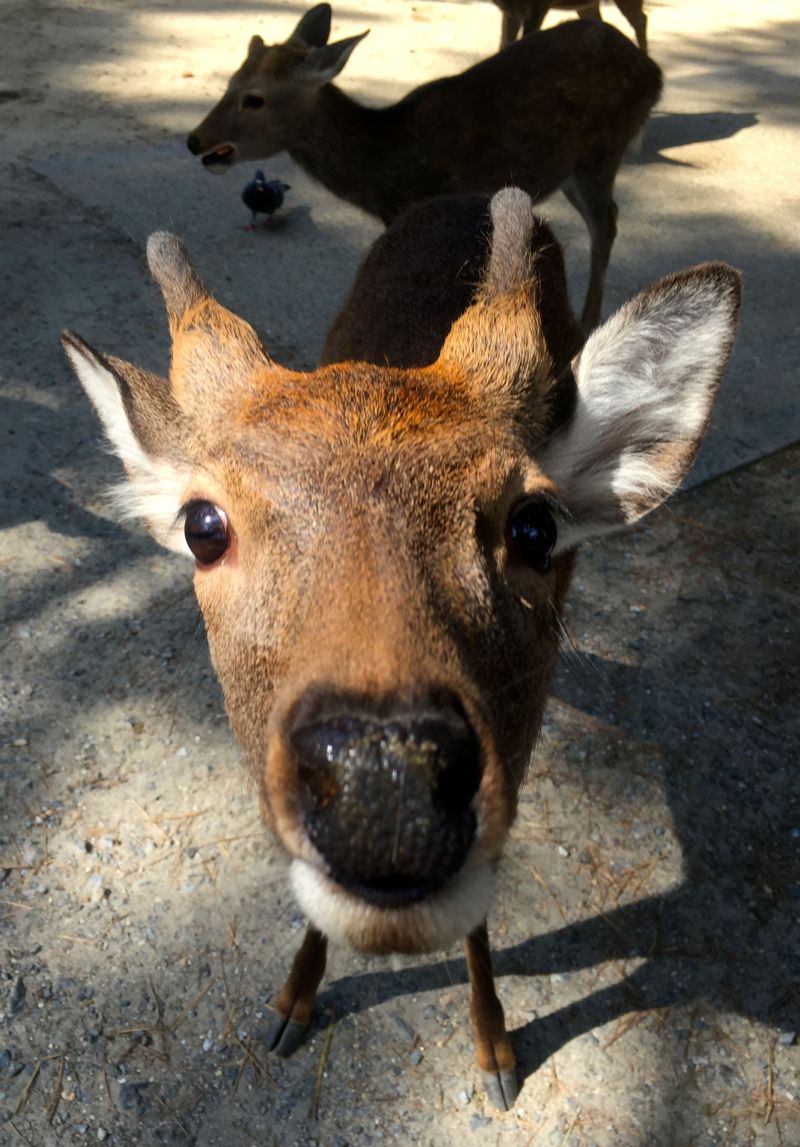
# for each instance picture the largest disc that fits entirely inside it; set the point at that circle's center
(323, 64)
(143, 425)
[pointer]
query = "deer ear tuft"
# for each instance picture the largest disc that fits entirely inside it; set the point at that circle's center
(142, 425)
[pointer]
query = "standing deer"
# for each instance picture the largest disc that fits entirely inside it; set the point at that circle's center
(554, 111)
(527, 16)
(382, 548)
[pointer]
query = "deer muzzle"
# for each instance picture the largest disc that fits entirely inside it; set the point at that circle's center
(386, 801)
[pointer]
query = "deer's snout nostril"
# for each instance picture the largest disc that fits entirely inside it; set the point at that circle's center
(193, 143)
(387, 803)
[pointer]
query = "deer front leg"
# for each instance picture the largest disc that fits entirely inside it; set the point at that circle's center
(493, 1052)
(296, 998)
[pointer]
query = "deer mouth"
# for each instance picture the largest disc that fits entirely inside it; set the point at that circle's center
(394, 921)
(220, 157)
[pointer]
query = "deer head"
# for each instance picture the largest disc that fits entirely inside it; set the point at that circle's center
(381, 554)
(269, 101)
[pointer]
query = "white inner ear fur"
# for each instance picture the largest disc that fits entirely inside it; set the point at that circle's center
(646, 380)
(154, 488)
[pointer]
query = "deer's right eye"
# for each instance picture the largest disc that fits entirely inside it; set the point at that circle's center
(206, 531)
(253, 101)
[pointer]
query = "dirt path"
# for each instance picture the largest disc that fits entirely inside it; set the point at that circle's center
(647, 927)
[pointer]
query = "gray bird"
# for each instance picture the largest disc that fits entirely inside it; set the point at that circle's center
(263, 196)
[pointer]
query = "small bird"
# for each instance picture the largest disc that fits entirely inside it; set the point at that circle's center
(263, 197)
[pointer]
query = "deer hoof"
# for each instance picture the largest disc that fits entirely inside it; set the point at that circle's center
(285, 1036)
(501, 1087)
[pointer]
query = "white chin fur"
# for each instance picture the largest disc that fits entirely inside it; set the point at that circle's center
(434, 923)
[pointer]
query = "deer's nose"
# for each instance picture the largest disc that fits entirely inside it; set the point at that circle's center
(193, 143)
(387, 802)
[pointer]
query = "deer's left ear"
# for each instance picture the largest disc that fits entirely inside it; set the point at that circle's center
(646, 382)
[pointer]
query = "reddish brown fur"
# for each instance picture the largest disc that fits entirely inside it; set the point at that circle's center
(369, 506)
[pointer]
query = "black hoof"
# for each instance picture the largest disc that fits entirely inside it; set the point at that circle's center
(501, 1087)
(284, 1036)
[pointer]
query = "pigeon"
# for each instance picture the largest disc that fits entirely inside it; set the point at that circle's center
(263, 196)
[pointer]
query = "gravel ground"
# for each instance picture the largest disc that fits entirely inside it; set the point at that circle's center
(647, 926)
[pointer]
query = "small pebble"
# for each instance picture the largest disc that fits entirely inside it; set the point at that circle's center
(477, 1121)
(101, 1133)
(562, 851)
(787, 1038)
(415, 1057)
(208, 1044)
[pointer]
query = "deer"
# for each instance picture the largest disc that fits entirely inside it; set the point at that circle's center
(527, 16)
(554, 111)
(382, 549)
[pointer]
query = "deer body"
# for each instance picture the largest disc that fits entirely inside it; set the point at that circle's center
(554, 111)
(527, 16)
(382, 548)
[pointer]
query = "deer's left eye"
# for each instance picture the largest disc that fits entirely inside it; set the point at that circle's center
(532, 533)
(206, 531)
(253, 101)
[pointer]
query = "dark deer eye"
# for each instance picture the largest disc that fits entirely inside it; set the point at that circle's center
(253, 101)
(206, 531)
(532, 531)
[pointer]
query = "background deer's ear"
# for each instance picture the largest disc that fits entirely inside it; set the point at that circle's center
(143, 426)
(323, 64)
(315, 27)
(646, 382)
(255, 46)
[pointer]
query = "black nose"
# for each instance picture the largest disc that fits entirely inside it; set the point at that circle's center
(386, 801)
(193, 143)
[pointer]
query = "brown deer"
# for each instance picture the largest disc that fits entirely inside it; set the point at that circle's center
(527, 16)
(554, 111)
(382, 548)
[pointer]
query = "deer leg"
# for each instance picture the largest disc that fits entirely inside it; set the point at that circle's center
(590, 193)
(493, 1051)
(633, 12)
(296, 998)
(509, 29)
(535, 17)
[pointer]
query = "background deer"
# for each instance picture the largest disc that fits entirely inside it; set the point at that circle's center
(527, 16)
(382, 548)
(554, 111)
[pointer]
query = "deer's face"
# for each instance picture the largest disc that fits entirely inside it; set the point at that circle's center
(375, 572)
(381, 555)
(269, 102)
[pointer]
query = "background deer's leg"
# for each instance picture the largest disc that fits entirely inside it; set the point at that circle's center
(493, 1052)
(590, 193)
(589, 11)
(535, 16)
(633, 12)
(296, 998)
(510, 27)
